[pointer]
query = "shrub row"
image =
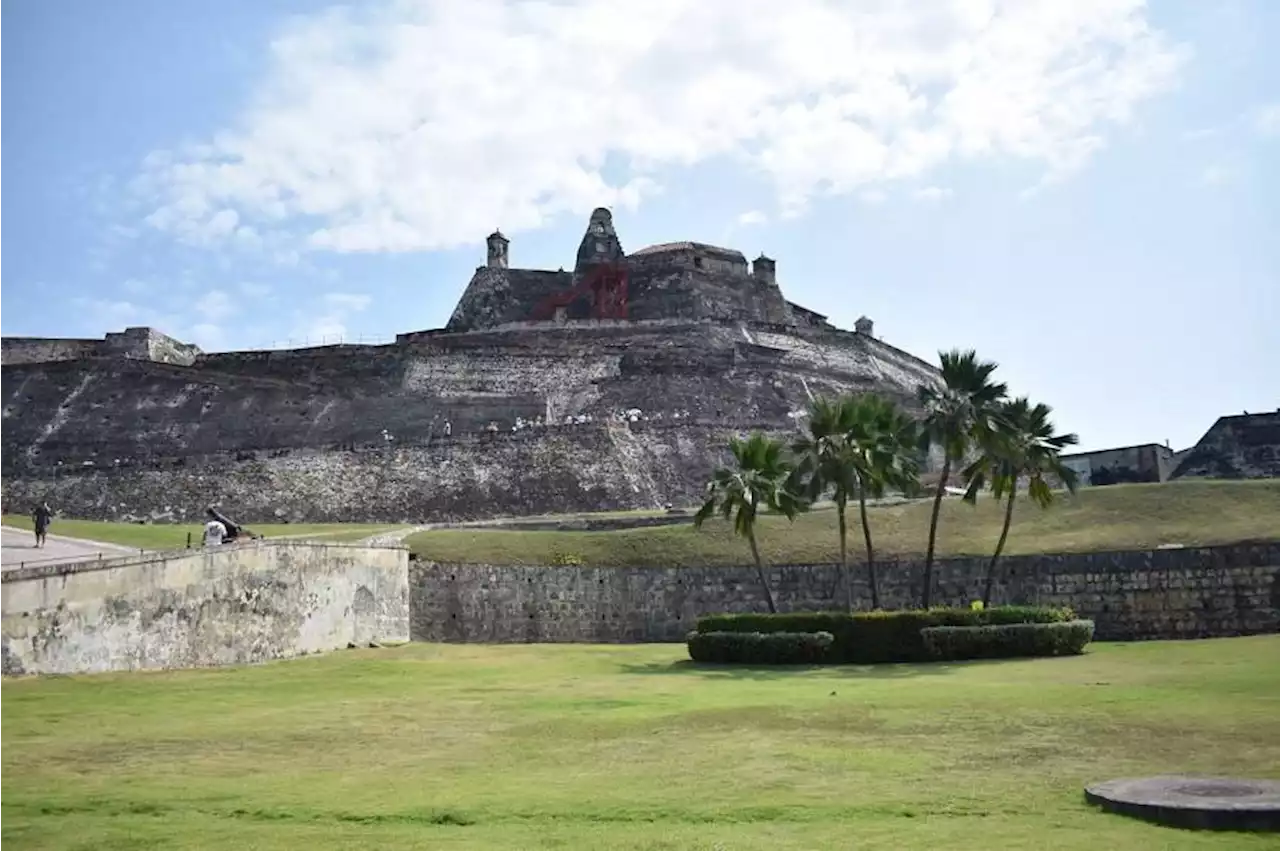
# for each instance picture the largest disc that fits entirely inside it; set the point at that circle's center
(872, 637)
(761, 648)
(1004, 641)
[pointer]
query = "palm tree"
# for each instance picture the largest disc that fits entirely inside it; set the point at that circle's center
(828, 462)
(883, 442)
(761, 479)
(1023, 446)
(956, 414)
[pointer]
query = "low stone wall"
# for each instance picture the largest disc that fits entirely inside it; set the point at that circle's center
(1179, 593)
(231, 605)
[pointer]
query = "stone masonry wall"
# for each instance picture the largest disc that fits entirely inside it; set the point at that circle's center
(446, 427)
(230, 605)
(23, 350)
(1183, 593)
(1246, 446)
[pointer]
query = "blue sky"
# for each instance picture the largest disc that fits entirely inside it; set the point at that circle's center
(1085, 192)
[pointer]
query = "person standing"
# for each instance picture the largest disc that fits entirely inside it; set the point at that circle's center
(214, 532)
(41, 518)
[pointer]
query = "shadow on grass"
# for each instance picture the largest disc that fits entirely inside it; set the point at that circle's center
(897, 670)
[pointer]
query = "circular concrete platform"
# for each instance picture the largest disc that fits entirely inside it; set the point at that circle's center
(1206, 803)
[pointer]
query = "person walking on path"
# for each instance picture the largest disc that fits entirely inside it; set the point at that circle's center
(41, 518)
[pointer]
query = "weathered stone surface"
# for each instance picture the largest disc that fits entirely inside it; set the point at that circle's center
(230, 605)
(1189, 593)
(136, 343)
(1246, 446)
(502, 413)
(447, 426)
(1209, 803)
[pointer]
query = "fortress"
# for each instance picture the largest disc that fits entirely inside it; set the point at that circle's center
(613, 386)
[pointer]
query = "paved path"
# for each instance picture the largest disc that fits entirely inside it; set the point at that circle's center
(391, 538)
(18, 546)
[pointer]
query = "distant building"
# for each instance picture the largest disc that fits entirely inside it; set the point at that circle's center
(1146, 462)
(1241, 446)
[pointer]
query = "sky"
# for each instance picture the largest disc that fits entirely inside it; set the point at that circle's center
(1087, 193)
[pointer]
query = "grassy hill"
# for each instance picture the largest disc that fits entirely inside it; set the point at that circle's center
(1107, 518)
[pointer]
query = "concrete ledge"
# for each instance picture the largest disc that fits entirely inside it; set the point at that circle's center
(1200, 803)
(64, 568)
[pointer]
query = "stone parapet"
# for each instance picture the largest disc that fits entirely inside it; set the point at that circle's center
(1150, 594)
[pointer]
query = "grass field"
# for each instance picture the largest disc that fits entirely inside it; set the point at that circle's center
(161, 536)
(630, 747)
(1106, 518)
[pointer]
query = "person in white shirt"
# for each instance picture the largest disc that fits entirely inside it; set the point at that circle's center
(214, 533)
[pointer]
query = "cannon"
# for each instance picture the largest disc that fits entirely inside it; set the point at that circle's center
(234, 530)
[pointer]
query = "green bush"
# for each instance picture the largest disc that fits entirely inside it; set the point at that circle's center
(1007, 640)
(872, 637)
(761, 648)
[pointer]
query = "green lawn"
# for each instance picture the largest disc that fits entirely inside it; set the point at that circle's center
(162, 536)
(1105, 518)
(630, 747)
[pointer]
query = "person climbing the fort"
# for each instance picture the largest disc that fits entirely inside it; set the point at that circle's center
(214, 531)
(41, 518)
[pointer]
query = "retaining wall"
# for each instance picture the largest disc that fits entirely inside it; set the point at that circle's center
(237, 604)
(1177, 593)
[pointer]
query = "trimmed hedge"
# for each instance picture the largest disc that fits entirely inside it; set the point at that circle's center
(872, 637)
(1004, 641)
(761, 648)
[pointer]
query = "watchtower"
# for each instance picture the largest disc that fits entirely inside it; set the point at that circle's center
(498, 257)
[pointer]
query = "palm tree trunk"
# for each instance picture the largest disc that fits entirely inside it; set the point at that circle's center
(927, 596)
(1004, 534)
(871, 558)
(841, 505)
(764, 580)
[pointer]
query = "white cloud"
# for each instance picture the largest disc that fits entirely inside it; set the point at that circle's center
(416, 125)
(752, 217)
(330, 324)
(215, 305)
(349, 302)
(1266, 120)
(208, 336)
(133, 286)
(254, 290)
(932, 193)
(873, 196)
(1219, 173)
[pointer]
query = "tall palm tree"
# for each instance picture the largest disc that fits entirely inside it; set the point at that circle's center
(1023, 446)
(883, 441)
(956, 414)
(827, 462)
(759, 480)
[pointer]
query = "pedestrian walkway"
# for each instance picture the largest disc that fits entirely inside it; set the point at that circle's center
(18, 547)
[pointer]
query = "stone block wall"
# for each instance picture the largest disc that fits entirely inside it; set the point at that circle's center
(24, 350)
(230, 605)
(1177, 593)
(1245, 446)
(446, 427)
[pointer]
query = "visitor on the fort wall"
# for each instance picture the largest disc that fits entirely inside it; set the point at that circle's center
(40, 519)
(214, 532)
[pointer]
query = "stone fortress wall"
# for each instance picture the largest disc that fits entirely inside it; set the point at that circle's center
(237, 604)
(258, 601)
(1157, 594)
(497, 414)
(146, 344)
